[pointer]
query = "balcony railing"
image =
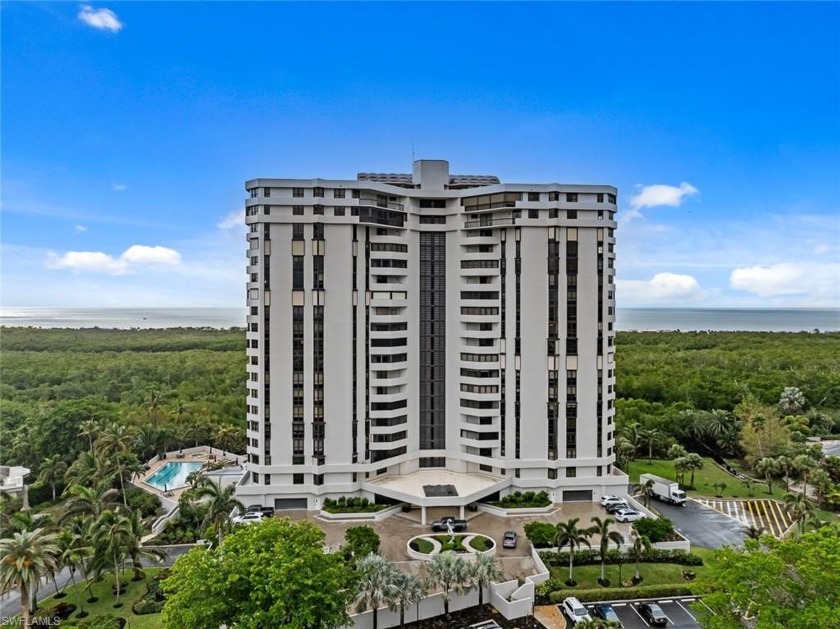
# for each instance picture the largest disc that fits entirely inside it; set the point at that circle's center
(483, 222)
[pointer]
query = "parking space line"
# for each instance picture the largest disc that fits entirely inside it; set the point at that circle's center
(784, 515)
(776, 519)
(729, 506)
(750, 506)
(700, 600)
(633, 607)
(686, 611)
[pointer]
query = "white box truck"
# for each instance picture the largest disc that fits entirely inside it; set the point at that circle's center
(664, 489)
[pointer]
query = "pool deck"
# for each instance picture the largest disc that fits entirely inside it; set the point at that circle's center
(201, 454)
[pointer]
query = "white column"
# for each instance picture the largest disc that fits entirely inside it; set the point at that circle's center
(423, 515)
(462, 512)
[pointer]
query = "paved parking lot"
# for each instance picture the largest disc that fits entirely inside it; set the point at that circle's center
(702, 525)
(680, 612)
(767, 514)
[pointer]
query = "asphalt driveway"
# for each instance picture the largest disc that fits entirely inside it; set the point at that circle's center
(701, 525)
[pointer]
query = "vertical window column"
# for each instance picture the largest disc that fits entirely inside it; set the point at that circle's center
(318, 426)
(297, 385)
(355, 289)
(518, 344)
(432, 401)
(503, 334)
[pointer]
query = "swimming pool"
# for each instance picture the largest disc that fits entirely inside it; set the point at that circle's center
(173, 475)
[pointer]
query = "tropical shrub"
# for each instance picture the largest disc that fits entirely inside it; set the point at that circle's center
(540, 534)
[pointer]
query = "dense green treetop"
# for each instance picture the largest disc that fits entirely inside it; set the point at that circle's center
(271, 574)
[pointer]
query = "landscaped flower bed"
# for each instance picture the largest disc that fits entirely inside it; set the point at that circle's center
(351, 505)
(519, 500)
(462, 543)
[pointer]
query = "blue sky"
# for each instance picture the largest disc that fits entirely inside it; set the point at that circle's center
(128, 130)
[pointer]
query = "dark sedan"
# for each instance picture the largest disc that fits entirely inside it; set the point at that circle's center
(606, 612)
(653, 614)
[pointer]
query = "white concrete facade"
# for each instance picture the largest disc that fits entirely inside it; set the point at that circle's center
(428, 340)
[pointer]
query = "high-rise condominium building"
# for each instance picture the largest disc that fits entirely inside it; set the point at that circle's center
(429, 338)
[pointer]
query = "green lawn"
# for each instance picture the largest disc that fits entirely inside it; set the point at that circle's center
(704, 480)
(105, 604)
(652, 573)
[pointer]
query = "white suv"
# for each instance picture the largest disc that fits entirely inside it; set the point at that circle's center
(574, 610)
(248, 518)
(606, 501)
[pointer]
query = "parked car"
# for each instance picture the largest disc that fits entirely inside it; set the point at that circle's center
(615, 507)
(605, 500)
(248, 518)
(509, 539)
(266, 511)
(574, 610)
(628, 515)
(653, 614)
(443, 524)
(606, 612)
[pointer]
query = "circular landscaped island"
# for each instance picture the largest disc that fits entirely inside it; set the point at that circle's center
(424, 547)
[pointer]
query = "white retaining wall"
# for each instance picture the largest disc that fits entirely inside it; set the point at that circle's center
(504, 513)
(429, 607)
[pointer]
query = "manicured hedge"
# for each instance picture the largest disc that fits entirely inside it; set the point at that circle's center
(546, 596)
(593, 557)
(99, 621)
(520, 500)
(352, 504)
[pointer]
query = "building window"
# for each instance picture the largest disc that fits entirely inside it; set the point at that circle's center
(533, 213)
(339, 211)
(317, 192)
(571, 472)
(297, 192)
(600, 197)
(571, 197)
(255, 477)
(318, 479)
(533, 196)
(611, 198)
(338, 193)
(297, 479)
(433, 220)
(553, 213)
(552, 474)
(318, 210)
(267, 479)
(297, 210)
(318, 231)
(553, 196)
(571, 214)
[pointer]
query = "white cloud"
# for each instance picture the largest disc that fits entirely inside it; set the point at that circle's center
(141, 254)
(820, 282)
(234, 220)
(119, 187)
(655, 196)
(79, 229)
(100, 262)
(93, 261)
(102, 19)
(663, 289)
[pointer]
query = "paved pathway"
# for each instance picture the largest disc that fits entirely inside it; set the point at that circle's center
(550, 616)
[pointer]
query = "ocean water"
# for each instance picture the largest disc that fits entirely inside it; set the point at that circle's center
(643, 319)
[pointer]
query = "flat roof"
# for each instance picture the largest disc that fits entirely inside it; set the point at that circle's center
(414, 487)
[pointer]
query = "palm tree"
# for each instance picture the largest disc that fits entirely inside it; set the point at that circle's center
(791, 401)
(89, 428)
(649, 437)
(647, 491)
(226, 437)
(641, 545)
(88, 500)
(822, 482)
(23, 521)
(376, 583)
(111, 534)
(485, 569)
(804, 464)
(676, 451)
(153, 403)
(408, 589)
(73, 554)
(693, 461)
(52, 471)
(800, 508)
(766, 467)
(115, 438)
(784, 466)
(146, 440)
(748, 484)
(602, 529)
(87, 468)
(126, 464)
(680, 467)
(25, 559)
(135, 551)
(451, 573)
(624, 451)
(569, 533)
(221, 502)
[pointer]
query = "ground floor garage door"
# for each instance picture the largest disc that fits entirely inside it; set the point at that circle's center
(281, 504)
(577, 495)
